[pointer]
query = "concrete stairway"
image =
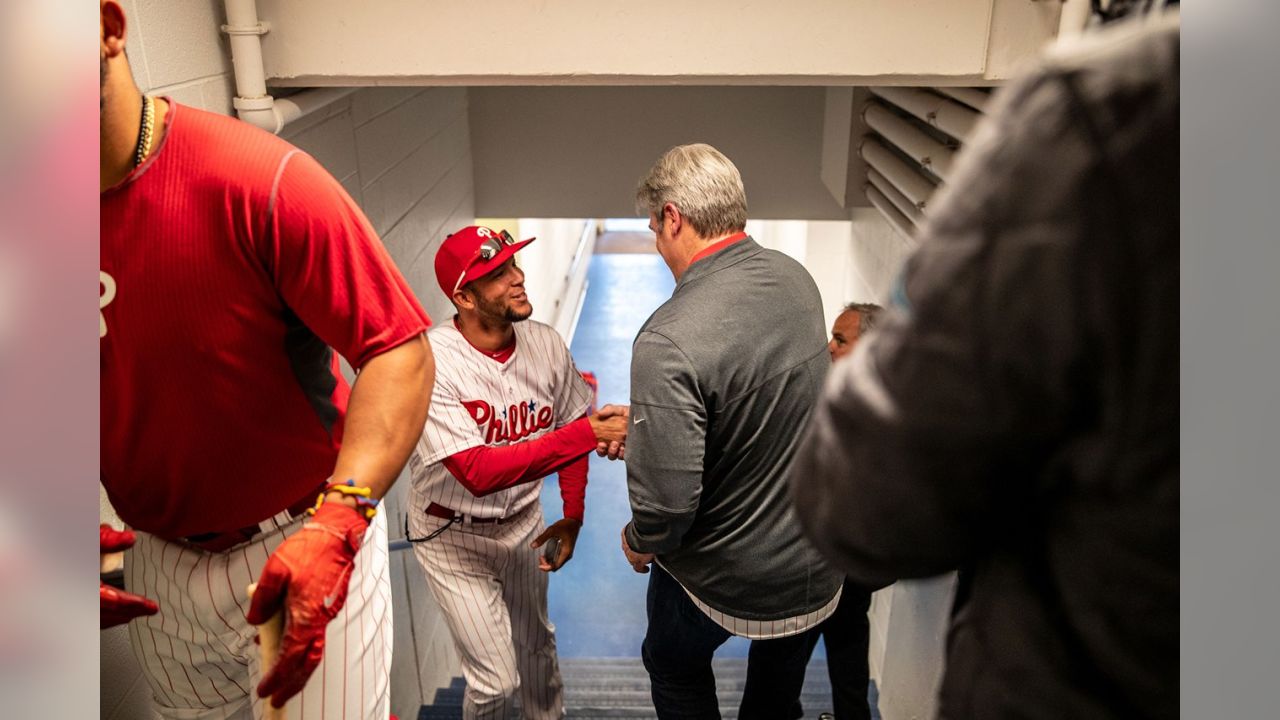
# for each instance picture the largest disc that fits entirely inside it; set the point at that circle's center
(619, 688)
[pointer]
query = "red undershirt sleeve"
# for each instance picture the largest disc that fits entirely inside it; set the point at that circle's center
(489, 468)
(573, 487)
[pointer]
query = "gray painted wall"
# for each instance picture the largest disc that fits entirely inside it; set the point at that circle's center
(578, 152)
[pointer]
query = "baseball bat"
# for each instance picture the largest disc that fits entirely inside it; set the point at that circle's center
(110, 562)
(269, 647)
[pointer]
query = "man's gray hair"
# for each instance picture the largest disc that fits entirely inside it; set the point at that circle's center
(867, 313)
(700, 181)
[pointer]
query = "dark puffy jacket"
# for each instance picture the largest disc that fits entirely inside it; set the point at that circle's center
(1016, 414)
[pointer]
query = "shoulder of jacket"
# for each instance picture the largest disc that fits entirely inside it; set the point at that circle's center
(659, 340)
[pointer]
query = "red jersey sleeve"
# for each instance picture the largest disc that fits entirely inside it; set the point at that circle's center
(330, 267)
(490, 468)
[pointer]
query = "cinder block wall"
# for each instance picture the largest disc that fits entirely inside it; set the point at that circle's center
(403, 154)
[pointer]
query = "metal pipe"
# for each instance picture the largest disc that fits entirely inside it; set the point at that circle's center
(895, 218)
(906, 178)
(252, 103)
(899, 200)
(246, 31)
(304, 103)
(931, 154)
(943, 113)
(973, 97)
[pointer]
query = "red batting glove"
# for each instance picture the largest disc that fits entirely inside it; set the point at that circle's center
(116, 607)
(307, 577)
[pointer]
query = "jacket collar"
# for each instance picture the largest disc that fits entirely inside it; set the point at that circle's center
(719, 260)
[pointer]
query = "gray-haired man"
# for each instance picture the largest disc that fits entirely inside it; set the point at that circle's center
(723, 377)
(847, 633)
(854, 321)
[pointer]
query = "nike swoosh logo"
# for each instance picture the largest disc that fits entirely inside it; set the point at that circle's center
(329, 600)
(638, 421)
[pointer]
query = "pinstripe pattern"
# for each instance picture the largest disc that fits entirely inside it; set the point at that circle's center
(764, 629)
(198, 653)
(486, 577)
(540, 370)
(494, 598)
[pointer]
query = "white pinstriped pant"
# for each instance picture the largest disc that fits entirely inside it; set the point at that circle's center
(494, 598)
(198, 653)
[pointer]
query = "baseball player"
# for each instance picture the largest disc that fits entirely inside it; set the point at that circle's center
(231, 264)
(507, 410)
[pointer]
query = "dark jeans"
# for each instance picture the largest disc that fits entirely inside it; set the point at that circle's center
(847, 634)
(677, 652)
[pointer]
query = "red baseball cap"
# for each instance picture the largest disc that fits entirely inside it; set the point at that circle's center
(473, 252)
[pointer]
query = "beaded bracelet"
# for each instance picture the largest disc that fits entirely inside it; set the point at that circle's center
(365, 504)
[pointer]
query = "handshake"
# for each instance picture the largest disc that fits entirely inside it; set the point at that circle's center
(610, 427)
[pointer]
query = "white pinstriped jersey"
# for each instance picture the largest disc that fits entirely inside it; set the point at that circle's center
(479, 401)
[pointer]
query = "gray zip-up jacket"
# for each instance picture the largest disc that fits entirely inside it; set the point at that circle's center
(723, 377)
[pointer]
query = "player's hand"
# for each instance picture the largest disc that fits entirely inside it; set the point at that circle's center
(307, 578)
(610, 424)
(613, 448)
(117, 607)
(567, 530)
(639, 561)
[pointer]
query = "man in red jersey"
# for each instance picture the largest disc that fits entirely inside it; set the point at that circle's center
(232, 265)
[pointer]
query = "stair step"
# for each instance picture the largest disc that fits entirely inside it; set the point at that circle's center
(625, 696)
(607, 688)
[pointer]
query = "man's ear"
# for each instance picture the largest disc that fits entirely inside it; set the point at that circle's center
(671, 214)
(463, 299)
(113, 29)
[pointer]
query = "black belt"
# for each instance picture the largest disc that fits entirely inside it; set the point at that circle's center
(441, 511)
(444, 513)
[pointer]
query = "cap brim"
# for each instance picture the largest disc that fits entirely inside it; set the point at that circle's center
(479, 270)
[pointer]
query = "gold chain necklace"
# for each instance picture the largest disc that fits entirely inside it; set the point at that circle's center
(146, 131)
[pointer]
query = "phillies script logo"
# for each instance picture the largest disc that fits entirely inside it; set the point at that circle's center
(514, 423)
